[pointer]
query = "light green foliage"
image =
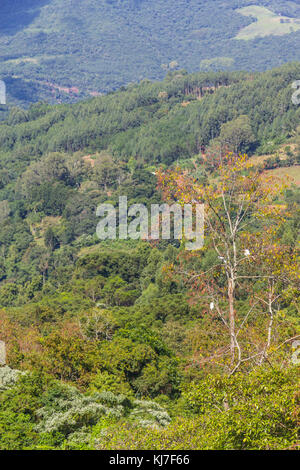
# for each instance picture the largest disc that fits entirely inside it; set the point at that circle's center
(107, 381)
(267, 23)
(65, 417)
(67, 411)
(217, 63)
(260, 411)
(150, 414)
(8, 377)
(237, 135)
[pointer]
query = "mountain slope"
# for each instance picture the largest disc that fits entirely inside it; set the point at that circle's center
(57, 163)
(65, 49)
(121, 349)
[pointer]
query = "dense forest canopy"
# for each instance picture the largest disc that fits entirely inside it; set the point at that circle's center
(62, 50)
(62, 160)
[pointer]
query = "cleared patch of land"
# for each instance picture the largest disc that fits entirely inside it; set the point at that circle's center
(267, 24)
(293, 172)
(281, 153)
(22, 60)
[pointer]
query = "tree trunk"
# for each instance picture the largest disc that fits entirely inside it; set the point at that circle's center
(231, 317)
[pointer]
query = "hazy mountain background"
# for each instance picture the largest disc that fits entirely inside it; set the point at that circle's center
(115, 344)
(49, 46)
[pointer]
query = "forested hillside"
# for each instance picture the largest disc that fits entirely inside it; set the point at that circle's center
(62, 50)
(131, 344)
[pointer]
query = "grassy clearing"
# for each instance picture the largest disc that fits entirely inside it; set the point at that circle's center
(292, 172)
(22, 60)
(267, 24)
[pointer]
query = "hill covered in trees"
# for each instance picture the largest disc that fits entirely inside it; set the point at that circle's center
(141, 344)
(65, 49)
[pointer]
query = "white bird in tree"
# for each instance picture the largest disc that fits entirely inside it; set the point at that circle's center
(212, 306)
(247, 253)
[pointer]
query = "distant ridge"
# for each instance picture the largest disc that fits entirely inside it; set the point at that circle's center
(87, 48)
